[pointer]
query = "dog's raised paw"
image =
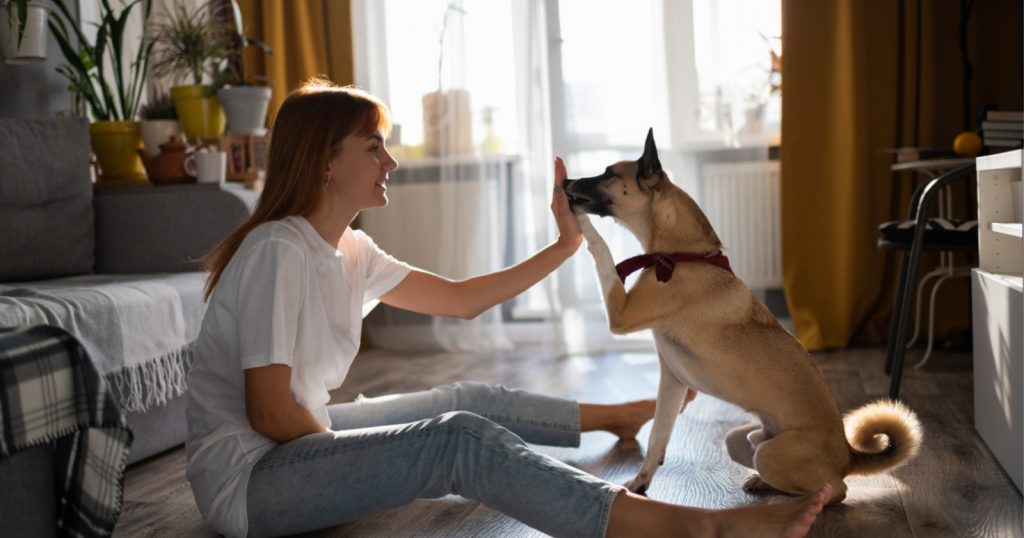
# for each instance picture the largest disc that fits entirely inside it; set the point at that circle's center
(756, 483)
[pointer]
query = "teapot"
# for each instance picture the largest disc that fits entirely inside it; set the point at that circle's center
(168, 166)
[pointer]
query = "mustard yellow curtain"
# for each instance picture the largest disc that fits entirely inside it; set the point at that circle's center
(840, 98)
(309, 38)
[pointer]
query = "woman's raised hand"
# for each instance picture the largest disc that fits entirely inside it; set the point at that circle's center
(569, 235)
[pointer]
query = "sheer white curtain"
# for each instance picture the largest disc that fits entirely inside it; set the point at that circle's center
(444, 68)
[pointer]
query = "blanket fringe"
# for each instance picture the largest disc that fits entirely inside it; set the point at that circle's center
(152, 383)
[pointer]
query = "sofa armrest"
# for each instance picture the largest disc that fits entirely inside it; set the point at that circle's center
(166, 228)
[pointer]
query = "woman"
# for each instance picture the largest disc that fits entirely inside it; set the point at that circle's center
(268, 456)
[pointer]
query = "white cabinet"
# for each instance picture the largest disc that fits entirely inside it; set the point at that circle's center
(998, 312)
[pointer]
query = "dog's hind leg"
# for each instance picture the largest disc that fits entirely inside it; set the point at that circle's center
(742, 441)
(792, 463)
(673, 396)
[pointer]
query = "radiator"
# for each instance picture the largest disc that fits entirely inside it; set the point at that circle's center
(741, 200)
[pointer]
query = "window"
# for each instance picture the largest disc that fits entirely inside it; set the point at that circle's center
(733, 45)
(477, 53)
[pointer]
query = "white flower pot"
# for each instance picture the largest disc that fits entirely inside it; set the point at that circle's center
(33, 42)
(156, 132)
(245, 107)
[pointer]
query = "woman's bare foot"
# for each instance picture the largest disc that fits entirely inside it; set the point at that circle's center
(790, 519)
(624, 420)
(633, 515)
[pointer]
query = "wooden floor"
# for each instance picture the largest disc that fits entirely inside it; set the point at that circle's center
(954, 488)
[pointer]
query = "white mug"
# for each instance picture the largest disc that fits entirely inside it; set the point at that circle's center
(207, 166)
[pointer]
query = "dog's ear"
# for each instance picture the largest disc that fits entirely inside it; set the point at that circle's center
(648, 165)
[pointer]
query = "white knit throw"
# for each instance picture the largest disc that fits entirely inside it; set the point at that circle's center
(139, 329)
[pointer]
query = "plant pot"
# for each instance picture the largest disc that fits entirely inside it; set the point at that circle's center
(198, 115)
(245, 107)
(33, 42)
(115, 144)
(156, 132)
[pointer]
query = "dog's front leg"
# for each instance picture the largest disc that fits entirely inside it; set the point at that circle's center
(673, 396)
(612, 290)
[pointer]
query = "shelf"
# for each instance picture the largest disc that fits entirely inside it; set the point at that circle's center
(1000, 161)
(456, 160)
(1013, 282)
(1007, 228)
(997, 309)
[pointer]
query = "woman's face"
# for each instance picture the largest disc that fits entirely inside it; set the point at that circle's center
(358, 174)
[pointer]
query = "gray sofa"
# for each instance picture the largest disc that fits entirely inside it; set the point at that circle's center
(117, 268)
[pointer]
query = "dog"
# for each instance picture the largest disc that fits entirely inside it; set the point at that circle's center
(713, 335)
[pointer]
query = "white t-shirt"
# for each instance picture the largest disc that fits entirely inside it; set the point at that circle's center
(286, 297)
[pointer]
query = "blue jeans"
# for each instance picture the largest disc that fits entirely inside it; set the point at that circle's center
(468, 439)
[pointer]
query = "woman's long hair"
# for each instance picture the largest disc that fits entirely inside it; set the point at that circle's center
(306, 135)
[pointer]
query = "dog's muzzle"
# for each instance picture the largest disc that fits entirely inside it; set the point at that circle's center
(585, 196)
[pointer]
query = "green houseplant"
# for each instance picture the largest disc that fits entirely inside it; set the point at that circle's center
(159, 122)
(245, 103)
(111, 101)
(23, 31)
(189, 43)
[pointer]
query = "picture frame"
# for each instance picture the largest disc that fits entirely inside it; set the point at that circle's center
(246, 157)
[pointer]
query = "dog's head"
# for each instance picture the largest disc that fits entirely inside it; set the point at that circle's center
(640, 196)
(625, 188)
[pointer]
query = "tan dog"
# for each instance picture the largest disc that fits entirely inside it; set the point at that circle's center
(714, 336)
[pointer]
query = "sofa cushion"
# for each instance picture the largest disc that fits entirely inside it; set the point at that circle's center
(46, 215)
(951, 232)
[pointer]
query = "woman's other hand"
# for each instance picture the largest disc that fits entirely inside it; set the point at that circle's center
(569, 236)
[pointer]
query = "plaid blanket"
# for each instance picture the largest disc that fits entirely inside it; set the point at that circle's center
(51, 393)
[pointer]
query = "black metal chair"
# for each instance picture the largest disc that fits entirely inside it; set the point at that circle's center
(921, 240)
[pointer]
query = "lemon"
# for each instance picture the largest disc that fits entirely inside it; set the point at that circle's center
(967, 144)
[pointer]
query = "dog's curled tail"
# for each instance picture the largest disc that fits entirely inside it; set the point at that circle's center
(883, 435)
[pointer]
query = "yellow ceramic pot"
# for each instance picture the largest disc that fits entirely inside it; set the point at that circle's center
(116, 145)
(199, 116)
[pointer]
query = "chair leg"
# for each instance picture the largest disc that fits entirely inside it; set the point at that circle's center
(897, 307)
(917, 303)
(900, 315)
(931, 315)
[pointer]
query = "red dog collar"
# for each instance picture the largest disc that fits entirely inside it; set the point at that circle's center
(664, 264)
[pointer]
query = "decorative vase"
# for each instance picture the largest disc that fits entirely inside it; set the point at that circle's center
(447, 123)
(33, 41)
(115, 144)
(245, 108)
(156, 132)
(200, 116)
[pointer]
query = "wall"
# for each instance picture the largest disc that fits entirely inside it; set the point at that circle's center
(35, 91)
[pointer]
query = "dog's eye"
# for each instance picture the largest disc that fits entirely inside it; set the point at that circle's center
(624, 193)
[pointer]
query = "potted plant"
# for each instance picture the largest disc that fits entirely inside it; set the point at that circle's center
(245, 103)
(106, 82)
(159, 123)
(23, 31)
(189, 43)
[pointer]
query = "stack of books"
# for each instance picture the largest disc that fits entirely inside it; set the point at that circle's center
(1003, 129)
